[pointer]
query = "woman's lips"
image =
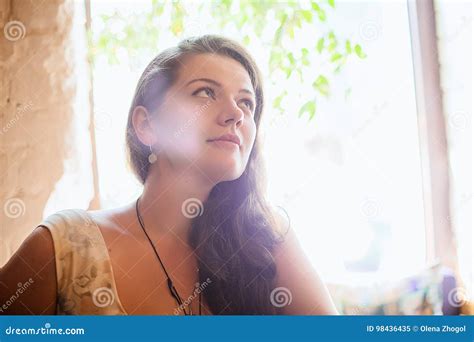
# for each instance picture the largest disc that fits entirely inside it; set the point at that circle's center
(226, 141)
(228, 137)
(224, 144)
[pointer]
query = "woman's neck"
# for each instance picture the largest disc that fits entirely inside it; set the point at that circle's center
(170, 200)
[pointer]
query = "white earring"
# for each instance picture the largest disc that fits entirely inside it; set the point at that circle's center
(152, 156)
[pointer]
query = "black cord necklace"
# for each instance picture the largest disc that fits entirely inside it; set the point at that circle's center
(171, 287)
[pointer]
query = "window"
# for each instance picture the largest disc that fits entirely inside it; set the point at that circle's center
(350, 179)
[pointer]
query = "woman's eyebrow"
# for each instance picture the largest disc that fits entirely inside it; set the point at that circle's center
(217, 84)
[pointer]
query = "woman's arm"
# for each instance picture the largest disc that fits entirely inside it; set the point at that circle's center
(299, 281)
(28, 280)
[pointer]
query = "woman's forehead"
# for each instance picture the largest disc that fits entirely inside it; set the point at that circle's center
(222, 69)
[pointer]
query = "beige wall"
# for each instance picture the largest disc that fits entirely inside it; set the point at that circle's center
(45, 145)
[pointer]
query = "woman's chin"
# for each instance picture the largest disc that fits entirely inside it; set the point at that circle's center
(224, 171)
(231, 175)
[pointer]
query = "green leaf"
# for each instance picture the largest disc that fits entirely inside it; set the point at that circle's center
(332, 41)
(319, 11)
(320, 45)
(322, 15)
(278, 35)
(246, 39)
(177, 27)
(278, 99)
(291, 58)
(242, 20)
(304, 56)
(309, 107)
(275, 58)
(335, 57)
(315, 6)
(358, 50)
(307, 15)
(291, 32)
(297, 21)
(138, 34)
(321, 84)
(348, 47)
(300, 74)
(227, 3)
(157, 8)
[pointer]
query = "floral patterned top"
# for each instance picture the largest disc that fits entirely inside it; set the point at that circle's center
(85, 279)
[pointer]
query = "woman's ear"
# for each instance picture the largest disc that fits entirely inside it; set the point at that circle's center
(141, 120)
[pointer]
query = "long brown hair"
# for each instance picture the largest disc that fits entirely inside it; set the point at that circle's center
(236, 234)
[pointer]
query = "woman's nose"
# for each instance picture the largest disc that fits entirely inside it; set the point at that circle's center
(231, 113)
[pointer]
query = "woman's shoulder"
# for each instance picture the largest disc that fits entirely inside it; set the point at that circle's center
(281, 219)
(67, 218)
(31, 266)
(82, 259)
(80, 219)
(74, 233)
(86, 231)
(296, 277)
(113, 220)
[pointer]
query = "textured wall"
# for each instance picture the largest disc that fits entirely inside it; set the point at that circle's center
(45, 149)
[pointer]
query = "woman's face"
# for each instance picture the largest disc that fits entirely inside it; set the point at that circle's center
(212, 96)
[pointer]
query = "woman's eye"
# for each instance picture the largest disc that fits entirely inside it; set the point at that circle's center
(207, 91)
(249, 104)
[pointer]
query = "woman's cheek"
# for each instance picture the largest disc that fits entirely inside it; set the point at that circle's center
(181, 133)
(251, 132)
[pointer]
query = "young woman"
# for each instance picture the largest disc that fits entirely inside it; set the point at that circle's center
(201, 238)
